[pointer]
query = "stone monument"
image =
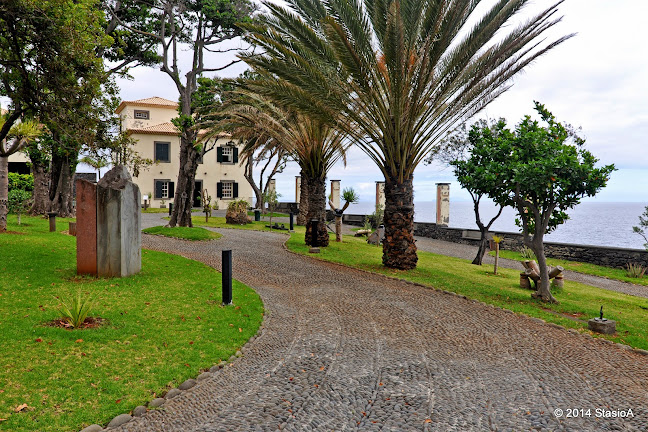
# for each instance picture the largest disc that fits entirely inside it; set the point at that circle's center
(109, 236)
(119, 224)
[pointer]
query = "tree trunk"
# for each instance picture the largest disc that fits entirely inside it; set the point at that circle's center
(338, 228)
(483, 245)
(302, 217)
(4, 192)
(60, 188)
(183, 200)
(41, 189)
(317, 210)
(399, 247)
(250, 178)
(496, 258)
(543, 286)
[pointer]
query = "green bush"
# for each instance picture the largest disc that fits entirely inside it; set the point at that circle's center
(21, 181)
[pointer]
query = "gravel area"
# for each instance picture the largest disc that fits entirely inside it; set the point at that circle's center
(342, 349)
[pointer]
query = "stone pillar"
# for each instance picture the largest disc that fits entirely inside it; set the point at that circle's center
(335, 193)
(297, 188)
(272, 185)
(443, 204)
(380, 194)
(119, 223)
(86, 217)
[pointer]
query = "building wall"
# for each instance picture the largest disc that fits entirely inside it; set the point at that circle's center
(210, 172)
(157, 115)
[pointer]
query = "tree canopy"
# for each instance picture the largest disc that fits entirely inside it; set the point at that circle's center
(540, 169)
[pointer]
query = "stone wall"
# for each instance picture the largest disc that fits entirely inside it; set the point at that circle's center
(600, 255)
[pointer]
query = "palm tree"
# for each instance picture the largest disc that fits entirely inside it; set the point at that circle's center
(396, 75)
(18, 137)
(313, 144)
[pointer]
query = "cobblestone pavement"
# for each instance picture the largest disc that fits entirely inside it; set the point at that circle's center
(345, 350)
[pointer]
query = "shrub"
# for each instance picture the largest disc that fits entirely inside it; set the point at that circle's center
(634, 270)
(237, 212)
(21, 181)
(527, 253)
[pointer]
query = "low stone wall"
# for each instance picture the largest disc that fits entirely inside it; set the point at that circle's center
(600, 255)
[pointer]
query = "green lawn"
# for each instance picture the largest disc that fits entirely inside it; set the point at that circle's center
(185, 233)
(267, 215)
(219, 222)
(586, 268)
(578, 302)
(164, 325)
(155, 210)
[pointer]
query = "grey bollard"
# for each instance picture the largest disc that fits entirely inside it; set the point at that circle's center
(170, 208)
(52, 221)
(257, 215)
(226, 266)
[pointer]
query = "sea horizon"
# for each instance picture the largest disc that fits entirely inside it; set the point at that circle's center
(590, 223)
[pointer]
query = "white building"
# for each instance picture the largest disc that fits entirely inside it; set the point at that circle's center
(148, 121)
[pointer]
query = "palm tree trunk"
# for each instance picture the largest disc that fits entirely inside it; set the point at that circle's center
(302, 217)
(317, 210)
(399, 247)
(4, 192)
(184, 189)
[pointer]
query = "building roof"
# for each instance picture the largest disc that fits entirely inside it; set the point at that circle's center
(158, 129)
(169, 129)
(152, 102)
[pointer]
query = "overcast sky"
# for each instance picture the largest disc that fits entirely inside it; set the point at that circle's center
(597, 80)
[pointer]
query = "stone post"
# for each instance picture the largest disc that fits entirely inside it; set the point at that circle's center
(272, 185)
(119, 235)
(443, 204)
(335, 193)
(297, 188)
(380, 194)
(86, 217)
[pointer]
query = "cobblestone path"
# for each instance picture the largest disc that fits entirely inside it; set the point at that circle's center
(346, 350)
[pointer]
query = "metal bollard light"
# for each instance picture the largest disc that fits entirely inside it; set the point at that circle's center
(52, 221)
(170, 208)
(292, 221)
(257, 215)
(227, 276)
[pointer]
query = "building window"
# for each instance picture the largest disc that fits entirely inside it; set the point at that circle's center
(227, 190)
(164, 189)
(162, 153)
(227, 154)
(142, 115)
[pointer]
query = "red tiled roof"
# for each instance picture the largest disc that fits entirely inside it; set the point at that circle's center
(152, 102)
(167, 129)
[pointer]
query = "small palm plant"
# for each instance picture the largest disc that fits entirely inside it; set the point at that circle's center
(76, 310)
(349, 196)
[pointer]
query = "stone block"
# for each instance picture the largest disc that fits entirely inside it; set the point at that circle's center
(86, 229)
(119, 236)
(602, 326)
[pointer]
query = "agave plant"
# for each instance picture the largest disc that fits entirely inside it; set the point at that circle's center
(395, 75)
(76, 310)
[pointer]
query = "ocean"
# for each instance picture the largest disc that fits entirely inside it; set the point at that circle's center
(591, 223)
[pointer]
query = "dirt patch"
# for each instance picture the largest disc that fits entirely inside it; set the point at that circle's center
(574, 316)
(12, 232)
(90, 322)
